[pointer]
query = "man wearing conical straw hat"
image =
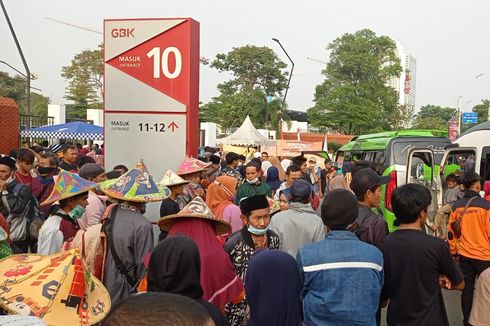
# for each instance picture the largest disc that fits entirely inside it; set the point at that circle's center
(170, 205)
(129, 235)
(71, 192)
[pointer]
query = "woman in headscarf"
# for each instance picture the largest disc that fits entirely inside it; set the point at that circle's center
(272, 287)
(220, 198)
(218, 279)
(273, 179)
(275, 162)
(175, 267)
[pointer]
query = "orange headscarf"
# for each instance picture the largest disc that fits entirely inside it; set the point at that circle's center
(275, 162)
(220, 194)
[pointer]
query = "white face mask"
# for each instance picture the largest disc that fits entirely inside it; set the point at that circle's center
(254, 181)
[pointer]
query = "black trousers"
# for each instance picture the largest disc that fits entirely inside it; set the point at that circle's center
(471, 268)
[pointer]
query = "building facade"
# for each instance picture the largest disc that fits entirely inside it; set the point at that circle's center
(405, 85)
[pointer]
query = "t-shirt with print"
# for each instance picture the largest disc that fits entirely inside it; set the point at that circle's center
(413, 262)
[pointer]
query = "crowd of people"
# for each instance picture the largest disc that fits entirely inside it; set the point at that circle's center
(259, 241)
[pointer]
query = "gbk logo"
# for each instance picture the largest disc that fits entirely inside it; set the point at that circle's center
(122, 32)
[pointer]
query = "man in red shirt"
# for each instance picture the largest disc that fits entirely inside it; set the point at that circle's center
(25, 161)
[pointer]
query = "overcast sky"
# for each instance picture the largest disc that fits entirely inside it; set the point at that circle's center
(449, 39)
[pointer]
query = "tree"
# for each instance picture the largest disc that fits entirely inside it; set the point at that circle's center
(355, 96)
(433, 117)
(84, 76)
(255, 89)
(15, 88)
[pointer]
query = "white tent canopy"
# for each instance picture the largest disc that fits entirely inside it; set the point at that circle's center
(246, 135)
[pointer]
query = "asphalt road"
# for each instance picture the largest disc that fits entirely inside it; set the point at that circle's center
(453, 308)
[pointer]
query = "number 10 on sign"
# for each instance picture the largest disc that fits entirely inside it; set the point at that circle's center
(163, 62)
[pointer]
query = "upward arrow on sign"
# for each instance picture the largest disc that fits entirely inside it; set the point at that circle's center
(173, 126)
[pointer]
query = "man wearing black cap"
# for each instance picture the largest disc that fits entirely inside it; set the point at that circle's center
(299, 224)
(366, 185)
(342, 276)
(214, 168)
(241, 246)
(15, 204)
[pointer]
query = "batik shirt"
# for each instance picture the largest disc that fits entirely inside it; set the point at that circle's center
(241, 248)
(231, 173)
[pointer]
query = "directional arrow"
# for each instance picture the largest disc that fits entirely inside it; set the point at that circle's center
(172, 126)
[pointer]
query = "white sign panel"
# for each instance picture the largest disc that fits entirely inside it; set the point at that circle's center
(136, 135)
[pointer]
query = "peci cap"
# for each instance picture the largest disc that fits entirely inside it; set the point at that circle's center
(300, 188)
(339, 209)
(5, 160)
(249, 204)
(366, 179)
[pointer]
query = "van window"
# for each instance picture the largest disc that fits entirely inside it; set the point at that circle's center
(462, 161)
(401, 149)
(485, 163)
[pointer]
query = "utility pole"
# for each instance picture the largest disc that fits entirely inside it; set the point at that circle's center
(26, 67)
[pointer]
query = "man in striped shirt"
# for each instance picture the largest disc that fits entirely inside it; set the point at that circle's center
(342, 276)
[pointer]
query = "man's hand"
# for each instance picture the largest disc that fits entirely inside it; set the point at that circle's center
(445, 282)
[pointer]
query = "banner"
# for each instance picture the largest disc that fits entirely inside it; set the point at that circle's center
(290, 148)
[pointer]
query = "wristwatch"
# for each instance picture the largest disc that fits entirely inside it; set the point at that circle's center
(5, 193)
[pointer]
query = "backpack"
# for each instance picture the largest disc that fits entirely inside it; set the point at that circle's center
(26, 224)
(94, 243)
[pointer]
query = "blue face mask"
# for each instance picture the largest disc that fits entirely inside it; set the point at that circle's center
(256, 231)
(76, 212)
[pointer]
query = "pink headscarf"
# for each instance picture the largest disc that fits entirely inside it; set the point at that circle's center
(486, 189)
(218, 279)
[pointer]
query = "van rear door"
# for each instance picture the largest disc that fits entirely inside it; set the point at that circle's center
(421, 170)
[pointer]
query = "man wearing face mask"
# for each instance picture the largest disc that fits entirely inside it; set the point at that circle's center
(252, 186)
(242, 245)
(15, 198)
(96, 199)
(47, 168)
(71, 192)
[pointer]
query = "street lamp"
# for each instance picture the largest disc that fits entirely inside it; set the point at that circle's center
(289, 79)
(33, 76)
(28, 73)
(460, 100)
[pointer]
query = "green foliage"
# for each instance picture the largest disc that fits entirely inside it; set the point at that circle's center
(15, 88)
(482, 110)
(39, 104)
(355, 97)
(257, 74)
(84, 76)
(433, 117)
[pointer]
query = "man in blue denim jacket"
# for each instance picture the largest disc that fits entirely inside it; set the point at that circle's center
(342, 276)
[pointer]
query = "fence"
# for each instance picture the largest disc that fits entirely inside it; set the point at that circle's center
(33, 121)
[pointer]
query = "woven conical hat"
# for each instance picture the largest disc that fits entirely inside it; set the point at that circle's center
(54, 288)
(67, 185)
(170, 178)
(136, 185)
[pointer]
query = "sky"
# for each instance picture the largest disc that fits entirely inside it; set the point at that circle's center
(449, 39)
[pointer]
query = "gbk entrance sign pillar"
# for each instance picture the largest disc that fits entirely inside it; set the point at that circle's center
(151, 92)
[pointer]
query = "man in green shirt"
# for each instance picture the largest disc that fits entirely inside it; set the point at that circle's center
(252, 186)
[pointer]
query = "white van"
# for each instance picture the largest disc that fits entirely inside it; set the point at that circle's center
(471, 151)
